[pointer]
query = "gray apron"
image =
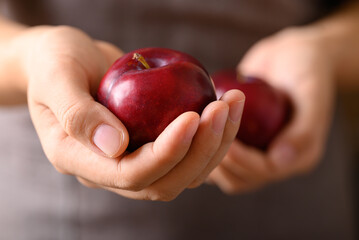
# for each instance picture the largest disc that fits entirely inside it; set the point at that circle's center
(36, 202)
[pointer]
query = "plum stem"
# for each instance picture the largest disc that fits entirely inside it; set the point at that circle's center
(141, 59)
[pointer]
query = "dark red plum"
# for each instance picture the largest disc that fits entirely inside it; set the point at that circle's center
(266, 110)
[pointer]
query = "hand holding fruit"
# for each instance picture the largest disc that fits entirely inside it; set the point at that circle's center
(63, 68)
(294, 62)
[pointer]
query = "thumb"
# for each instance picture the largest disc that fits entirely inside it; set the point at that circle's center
(298, 148)
(68, 96)
(93, 125)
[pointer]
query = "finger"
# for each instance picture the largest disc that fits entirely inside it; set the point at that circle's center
(248, 164)
(294, 151)
(237, 170)
(255, 61)
(66, 154)
(249, 159)
(133, 170)
(154, 160)
(89, 122)
(61, 78)
(228, 182)
(204, 145)
(299, 146)
(235, 101)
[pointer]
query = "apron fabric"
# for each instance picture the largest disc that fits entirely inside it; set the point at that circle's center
(36, 202)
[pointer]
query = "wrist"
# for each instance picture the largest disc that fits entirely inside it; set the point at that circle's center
(338, 36)
(10, 93)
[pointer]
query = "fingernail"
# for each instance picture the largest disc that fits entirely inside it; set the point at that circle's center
(283, 156)
(191, 130)
(236, 110)
(219, 120)
(108, 139)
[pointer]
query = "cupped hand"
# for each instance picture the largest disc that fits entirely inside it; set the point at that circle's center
(81, 137)
(295, 62)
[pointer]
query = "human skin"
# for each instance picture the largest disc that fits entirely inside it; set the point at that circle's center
(309, 63)
(243, 168)
(58, 70)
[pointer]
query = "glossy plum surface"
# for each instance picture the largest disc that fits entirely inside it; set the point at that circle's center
(266, 110)
(147, 100)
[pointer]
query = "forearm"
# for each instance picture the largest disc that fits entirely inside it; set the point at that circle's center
(339, 35)
(10, 77)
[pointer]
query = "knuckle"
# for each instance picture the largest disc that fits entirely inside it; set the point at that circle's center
(53, 35)
(63, 30)
(73, 118)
